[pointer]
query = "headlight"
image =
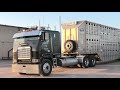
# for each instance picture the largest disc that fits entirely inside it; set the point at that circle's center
(35, 60)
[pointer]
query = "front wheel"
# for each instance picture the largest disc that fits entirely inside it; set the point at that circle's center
(46, 68)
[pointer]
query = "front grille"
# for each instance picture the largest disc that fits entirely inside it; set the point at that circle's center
(24, 53)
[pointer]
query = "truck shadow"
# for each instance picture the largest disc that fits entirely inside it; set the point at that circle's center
(83, 76)
(108, 70)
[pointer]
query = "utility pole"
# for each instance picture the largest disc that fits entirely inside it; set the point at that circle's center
(60, 29)
(60, 23)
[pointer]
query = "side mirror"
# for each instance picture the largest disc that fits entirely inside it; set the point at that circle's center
(42, 37)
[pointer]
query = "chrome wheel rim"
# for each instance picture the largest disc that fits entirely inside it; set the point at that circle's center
(86, 62)
(46, 67)
(93, 61)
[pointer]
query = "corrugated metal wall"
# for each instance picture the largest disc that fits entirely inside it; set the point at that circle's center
(102, 40)
(6, 41)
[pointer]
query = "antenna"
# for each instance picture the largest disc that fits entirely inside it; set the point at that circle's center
(39, 24)
(55, 28)
(43, 20)
(48, 27)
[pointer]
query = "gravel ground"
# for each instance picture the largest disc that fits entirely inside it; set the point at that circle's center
(108, 70)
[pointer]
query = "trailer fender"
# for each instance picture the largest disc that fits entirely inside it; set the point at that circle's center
(80, 58)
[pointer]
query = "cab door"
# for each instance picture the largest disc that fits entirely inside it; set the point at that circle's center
(45, 44)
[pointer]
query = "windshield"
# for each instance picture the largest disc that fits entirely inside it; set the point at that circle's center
(30, 40)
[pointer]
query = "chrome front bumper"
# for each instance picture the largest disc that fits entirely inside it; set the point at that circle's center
(26, 68)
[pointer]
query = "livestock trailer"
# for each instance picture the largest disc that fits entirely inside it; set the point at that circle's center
(91, 39)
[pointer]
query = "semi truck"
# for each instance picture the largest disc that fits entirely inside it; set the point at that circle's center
(79, 43)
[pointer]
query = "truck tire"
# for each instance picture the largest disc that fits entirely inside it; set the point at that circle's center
(85, 63)
(92, 61)
(45, 67)
(70, 46)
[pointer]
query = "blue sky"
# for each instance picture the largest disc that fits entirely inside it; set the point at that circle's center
(25, 19)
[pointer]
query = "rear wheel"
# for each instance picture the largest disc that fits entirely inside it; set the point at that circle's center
(85, 62)
(46, 67)
(92, 61)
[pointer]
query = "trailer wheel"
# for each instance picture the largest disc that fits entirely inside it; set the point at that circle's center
(46, 67)
(85, 62)
(92, 61)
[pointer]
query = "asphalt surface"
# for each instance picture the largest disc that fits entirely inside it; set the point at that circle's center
(108, 70)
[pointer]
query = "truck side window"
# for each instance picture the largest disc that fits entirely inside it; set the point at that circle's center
(46, 36)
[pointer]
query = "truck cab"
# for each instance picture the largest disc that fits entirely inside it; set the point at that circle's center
(36, 51)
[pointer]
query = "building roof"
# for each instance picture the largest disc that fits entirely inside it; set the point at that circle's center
(12, 26)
